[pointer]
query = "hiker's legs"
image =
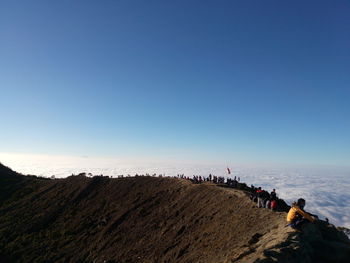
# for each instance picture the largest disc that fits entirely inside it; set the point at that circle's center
(298, 223)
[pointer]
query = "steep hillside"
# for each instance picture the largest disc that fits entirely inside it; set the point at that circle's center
(147, 219)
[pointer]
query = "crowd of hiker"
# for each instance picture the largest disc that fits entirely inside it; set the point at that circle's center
(197, 179)
(296, 216)
(264, 199)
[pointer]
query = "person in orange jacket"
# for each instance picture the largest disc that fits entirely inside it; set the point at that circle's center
(297, 216)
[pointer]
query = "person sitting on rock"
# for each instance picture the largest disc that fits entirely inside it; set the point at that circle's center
(297, 216)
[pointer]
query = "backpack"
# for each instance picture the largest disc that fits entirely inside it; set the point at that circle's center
(273, 204)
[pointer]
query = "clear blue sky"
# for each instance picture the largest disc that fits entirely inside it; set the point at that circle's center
(219, 80)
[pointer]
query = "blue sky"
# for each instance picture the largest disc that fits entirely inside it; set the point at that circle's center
(231, 81)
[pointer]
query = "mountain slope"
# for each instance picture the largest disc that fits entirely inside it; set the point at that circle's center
(147, 219)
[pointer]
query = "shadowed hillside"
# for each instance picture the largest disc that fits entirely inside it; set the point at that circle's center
(147, 219)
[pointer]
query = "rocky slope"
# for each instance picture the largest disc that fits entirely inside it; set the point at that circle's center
(147, 219)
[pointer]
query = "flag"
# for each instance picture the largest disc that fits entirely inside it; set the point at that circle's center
(228, 170)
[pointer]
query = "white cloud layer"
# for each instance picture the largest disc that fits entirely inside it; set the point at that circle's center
(326, 189)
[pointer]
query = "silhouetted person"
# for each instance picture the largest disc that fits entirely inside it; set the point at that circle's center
(273, 194)
(259, 196)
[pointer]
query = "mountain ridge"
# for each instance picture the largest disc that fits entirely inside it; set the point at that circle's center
(149, 219)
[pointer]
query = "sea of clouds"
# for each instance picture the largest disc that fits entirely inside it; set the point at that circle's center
(326, 189)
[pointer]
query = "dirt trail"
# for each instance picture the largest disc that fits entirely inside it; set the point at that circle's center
(147, 219)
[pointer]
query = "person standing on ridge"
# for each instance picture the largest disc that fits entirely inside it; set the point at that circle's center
(273, 194)
(259, 194)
